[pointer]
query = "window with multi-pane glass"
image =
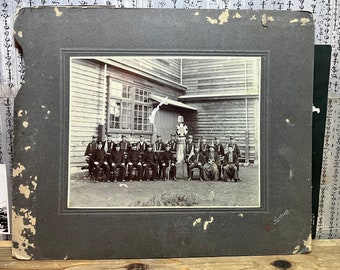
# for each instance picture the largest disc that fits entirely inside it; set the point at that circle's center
(129, 107)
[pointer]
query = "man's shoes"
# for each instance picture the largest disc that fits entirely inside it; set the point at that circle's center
(174, 178)
(201, 179)
(189, 179)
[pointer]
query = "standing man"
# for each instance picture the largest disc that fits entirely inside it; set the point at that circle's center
(159, 149)
(173, 144)
(189, 151)
(169, 161)
(149, 162)
(230, 166)
(197, 160)
(109, 145)
(141, 146)
(125, 147)
(88, 154)
(134, 161)
(236, 150)
(117, 161)
(204, 147)
(99, 161)
(219, 150)
(210, 168)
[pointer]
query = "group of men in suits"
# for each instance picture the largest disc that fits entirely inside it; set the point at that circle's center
(118, 160)
(115, 159)
(214, 161)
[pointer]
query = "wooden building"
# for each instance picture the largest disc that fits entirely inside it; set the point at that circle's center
(216, 96)
(225, 93)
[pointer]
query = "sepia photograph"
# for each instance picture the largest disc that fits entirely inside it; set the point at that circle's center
(156, 131)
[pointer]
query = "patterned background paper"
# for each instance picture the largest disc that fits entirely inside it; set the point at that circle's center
(327, 31)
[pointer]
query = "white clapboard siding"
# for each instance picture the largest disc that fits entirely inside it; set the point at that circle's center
(88, 106)
(157, 89)
(234, 75)
(225, 118)
(166, 68)
(228, 117)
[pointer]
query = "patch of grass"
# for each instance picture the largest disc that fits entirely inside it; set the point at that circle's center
(169, 200)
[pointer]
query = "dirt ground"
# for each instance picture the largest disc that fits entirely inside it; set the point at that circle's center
(84, 193)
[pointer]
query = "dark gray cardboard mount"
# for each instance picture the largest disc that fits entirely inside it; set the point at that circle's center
(43, 227)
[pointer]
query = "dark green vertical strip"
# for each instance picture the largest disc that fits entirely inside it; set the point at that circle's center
(322, 57)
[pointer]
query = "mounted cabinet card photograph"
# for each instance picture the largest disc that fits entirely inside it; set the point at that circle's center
(162, 133)
(170, 121)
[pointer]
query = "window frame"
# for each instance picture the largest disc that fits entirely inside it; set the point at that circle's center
(132, 120)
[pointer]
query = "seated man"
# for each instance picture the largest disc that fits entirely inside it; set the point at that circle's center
(210, 168)
(150, 162)
(230, 166)
(196, 161)
(99, 161)
(117, 161)
(168, 161)
(134, 161)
